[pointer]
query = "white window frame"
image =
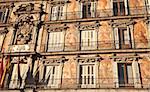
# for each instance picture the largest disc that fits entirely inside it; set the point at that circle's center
(57, 41)
(92, 9)
(130, 36)
(125, 4)
(53, 72)
(58, 12)
(23, 68)
(135, 70)
(88, 39)
(82, 62)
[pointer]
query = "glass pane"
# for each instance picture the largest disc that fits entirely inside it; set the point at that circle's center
(121, 75)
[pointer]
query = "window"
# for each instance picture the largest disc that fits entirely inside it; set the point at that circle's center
(87, 76)
(88, 39)
(57, 12)
(148, 6)
(19, 73)
(52, 76)
(55, 41)
(88, 71)
(119, 7)
(88, 8)
(123, 37)
(125, 75)
(3, 14)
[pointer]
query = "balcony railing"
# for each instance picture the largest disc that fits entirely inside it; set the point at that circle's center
(95, 45)
(101, 13)
(75, 83)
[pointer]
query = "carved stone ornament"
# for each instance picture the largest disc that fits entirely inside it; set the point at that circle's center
(4, 31)
(88, 26)
(125, 58)
(53, 61)
(24, 30)
(56, 29)
(122, 23)
(21, 59)
(58, 2)
(88, 59)
(25, 8)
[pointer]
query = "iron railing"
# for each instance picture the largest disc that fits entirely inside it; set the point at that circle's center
(96, 45)
(99, 13)
(76, 83)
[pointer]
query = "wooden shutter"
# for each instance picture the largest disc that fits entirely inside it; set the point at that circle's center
(41, 71)
(126, 7)
(48, 74)
(14, 77)
(81, 10)
(93, 9)
(62, 12)
(116, 38)
(54, 14)
(115, 71)
(132, 35)
(1, 41)
(23, 73)
(136, 74)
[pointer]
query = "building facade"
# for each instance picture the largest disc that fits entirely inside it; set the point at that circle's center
(74, 45)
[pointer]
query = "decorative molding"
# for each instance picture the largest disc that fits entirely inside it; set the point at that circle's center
(53, 61)
(59, 2)
(20, 59)
(125, 58)
(24, 29)
(87, 26)
(56, 29)
(88, 59)
(4, 31)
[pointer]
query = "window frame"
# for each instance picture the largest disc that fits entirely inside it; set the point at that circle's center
(82, 61)
(62, 43)
(5, 11)
(83, 44)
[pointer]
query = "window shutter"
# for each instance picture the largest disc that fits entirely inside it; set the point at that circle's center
(136, 74)
(14, 77)
(116, 38)
(94, 39)
(115, 70)
(93, 9)
(41, 71)
(111, 7)
(62, 12)
(54, 14)
(6, 15)
(83, 40)
(81, 10)
(132, 37)
(1, 41)
(127, 36)
(148, 5)
(126, 7)
(23, 73)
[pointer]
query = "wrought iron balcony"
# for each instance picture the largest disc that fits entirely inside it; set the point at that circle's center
(95, 45)
(77, 83)
(101, 13)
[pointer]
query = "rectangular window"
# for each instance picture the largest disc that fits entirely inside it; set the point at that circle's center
(55, 41)
(87, 76)
(52, 76)
(88, 8)
(118, 7)
(124, 38)
(57, 12)
(125, 75)
(88, 40)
